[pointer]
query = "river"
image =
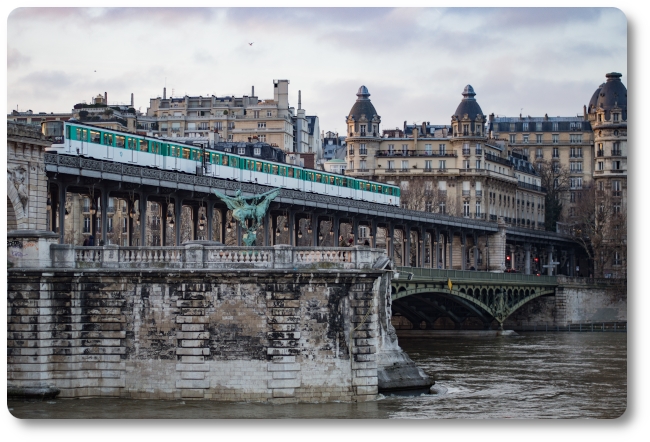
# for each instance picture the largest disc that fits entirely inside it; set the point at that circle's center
(533, 375)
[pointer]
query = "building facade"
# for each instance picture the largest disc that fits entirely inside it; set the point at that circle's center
(456, 169)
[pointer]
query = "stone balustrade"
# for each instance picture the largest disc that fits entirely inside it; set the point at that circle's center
(200, 256)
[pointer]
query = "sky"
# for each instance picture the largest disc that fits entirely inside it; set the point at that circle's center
(414, 61)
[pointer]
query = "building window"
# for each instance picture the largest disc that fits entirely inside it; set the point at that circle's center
(241, 150)
(617, 259)
(428, 206)
(539, 153)
(441, 149)
(362, 149)
(256, 114)
(427, 165)
(262, 138)
(572, 197)
(405, 164)
(257, 151)
(616, 149)
(556, 152)
(616, 165)
(466, 164)
(601, 165)
(576, 166)
(391, 165)
(538, 138)
(269, 113)
(478, 209)
(362, 165)
(575, 138)
(466, 208)
(391, 149)
(442, 207)
(442, 164)
(512, 138)
(616, 188)
(363, 130)
(465, 129)
(427, 149)
(576, 183)
(478, 164)
(231, 125)
(556, 138)
(615, 116)
(525, 127)
(405, 149)
(86, 224)
(525, 139)
(261, 125)
(351, 166)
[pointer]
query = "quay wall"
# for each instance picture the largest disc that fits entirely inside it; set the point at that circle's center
(258, 335)
(576, 301)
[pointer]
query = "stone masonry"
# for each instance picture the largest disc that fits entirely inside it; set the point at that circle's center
(232, 335)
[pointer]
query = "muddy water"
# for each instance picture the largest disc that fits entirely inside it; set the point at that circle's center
(534, 375)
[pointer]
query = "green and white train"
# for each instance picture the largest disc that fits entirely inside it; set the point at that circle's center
(81, 139)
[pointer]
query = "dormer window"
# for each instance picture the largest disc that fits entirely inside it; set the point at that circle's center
(615, 117)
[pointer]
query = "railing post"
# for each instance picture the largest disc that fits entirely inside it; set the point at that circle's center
(193, 256)
(283, 256)
(110, 256)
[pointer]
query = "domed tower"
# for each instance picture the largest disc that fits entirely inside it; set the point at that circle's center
(607, 113)
(468, 120)
(363, 135)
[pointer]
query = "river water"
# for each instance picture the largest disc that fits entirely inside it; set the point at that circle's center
(533, 375)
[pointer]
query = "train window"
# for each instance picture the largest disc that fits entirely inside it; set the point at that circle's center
(108, 139)
(318, 178)
(274, 170)
(283, 171)
(224, 160)
(95, 137)
(233, 161)
(186, 153)
(79, 134)
(267, 168)
(290, 171)
(143, 145)
(259, 166)
(367, 186)
(374, 188)
(119, 141)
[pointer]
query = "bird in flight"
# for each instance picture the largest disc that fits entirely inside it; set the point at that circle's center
(250, 44)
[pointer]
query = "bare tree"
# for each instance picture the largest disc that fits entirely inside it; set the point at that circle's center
(424, 196)
(555, 178)
(600, 227)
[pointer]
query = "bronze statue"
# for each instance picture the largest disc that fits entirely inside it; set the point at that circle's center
(243, 210)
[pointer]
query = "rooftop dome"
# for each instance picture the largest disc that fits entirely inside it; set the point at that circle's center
(468, 105)
(612, 93)
(594, 97)
(363, 105)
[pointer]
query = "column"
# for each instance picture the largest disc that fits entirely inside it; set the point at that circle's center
(315, 225)
(390, 241)
(549, 249)
(572, 262)
(422, 245)
(373, 233)
(268, 229)
(355, 230)
(436, 263)
(463, 251)
(143, 219)
(407, 246)
(178, 210)
(62, 202)
(163, 223)
(476, 251)
(104, 205)
(336, 228)
(527, 261)
(209, 209)
(195, 222)
(450, 243)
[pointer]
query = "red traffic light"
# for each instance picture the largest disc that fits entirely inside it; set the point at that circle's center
(507, 258)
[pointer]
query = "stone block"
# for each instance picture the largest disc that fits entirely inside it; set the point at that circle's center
(363, 350)
(192, 383)
(187, 393)
(192, 311)
(284, 343)
(283, 319)
(283, 367)
(192, 375)
(364, 357)
(365, 373)
(364, 381)
(283, 303)
(192, 327)
(283, 359)
(284, 327)
(367, 389)
(365, 342)
(192, 367)
(193, 351)
(193, 335)
(283, 311)
(363, 365)
(285, 295)
(192, 319)
(285, 383)
(192, 359)
(192, 343)
(285, 374)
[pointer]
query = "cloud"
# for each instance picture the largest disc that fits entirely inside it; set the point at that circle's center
(16, 59)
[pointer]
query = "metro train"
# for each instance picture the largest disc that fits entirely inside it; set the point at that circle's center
(80, 139)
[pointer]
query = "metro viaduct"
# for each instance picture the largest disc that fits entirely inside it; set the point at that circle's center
(423, 238)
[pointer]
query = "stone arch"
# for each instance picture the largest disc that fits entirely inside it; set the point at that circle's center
(13, 200)
(12, 224)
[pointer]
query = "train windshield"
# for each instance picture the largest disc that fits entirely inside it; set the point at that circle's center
(53, 130)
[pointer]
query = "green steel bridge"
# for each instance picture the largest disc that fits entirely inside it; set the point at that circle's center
(422, 294)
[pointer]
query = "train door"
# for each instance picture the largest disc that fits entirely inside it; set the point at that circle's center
(157, 151)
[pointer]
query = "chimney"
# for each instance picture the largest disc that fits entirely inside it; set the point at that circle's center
(131, 99)
(299, 101)
(106, 98)
(252, 91)
(164, 93)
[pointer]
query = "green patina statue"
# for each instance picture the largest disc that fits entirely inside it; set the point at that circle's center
(249, 208)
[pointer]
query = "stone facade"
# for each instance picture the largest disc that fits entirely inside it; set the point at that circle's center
(255, 335)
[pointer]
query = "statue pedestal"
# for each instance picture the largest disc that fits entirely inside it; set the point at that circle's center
(30, 248)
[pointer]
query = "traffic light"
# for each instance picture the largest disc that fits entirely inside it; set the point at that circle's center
(508, 258)
(536, 259)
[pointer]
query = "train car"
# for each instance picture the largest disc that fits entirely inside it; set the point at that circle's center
(81, 139)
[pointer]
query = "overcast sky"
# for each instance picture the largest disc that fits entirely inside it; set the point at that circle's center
(415, 62)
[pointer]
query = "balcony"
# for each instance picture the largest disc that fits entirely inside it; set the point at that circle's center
(350, 151)
(363, 151)
(493, 217)
(467, 152)
(616, 193)
(404, 170)
(479, 151)
(414, 153)
(496, 159)
(428, 169)
(479, 193)
(466, 193)
(616, 153)
(479, 216)
(600, 153)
